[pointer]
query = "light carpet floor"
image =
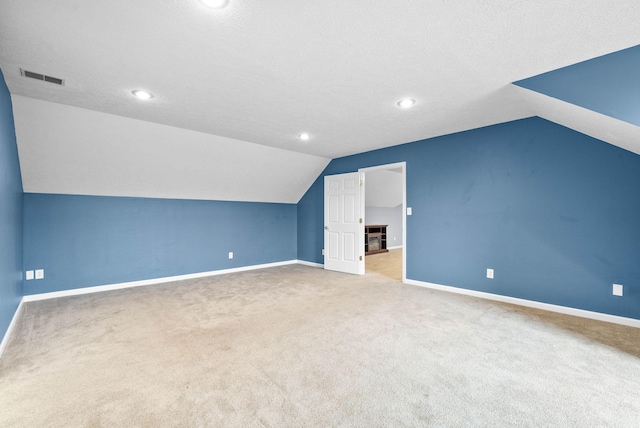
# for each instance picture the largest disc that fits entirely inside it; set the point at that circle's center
(388, 264)
(300, 346)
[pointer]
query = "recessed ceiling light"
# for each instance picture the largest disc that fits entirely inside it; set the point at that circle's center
(304, 136)
(406, 102)
(143, 95)
(215, 4)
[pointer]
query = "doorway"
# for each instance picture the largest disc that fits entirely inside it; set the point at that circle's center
(385, 204)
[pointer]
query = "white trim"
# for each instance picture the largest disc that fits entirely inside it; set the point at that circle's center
(312, 264)
(394, 248)
(12, 324)
(631, 322)
(384, 166)
(109, 287)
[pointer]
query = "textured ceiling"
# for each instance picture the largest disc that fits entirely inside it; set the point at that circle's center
(263, 72)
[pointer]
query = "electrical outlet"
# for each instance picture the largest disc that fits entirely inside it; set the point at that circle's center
(617, 289)
(39, 273)
(490, 273)
(230, 254)
(28, 275)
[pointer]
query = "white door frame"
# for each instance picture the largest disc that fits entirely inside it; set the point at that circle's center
(403, 167)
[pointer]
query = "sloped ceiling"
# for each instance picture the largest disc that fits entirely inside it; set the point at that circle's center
(235, 87)
(89, 153)
(598, 97)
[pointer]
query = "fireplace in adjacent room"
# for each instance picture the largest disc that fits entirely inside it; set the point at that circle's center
(374, 242)
(375, 239)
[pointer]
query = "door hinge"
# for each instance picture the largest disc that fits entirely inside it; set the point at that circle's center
(360, 219)
(360, 258)
(360, 183)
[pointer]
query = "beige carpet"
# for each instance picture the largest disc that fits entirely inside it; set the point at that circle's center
(388, 264)
(300, 346)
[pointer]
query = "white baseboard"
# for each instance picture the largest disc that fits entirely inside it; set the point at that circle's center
(394, 248)
(12, 324)
(312, 264)
(109, 287)
(119, 286)
(631, 322)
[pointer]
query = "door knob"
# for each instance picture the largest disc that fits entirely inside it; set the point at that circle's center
(326, 227)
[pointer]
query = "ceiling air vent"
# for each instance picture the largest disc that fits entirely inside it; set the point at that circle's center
(42, 77)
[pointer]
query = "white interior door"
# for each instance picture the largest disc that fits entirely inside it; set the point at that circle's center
(344, 223)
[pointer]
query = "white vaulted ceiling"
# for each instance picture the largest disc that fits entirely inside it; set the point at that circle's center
(235, 87)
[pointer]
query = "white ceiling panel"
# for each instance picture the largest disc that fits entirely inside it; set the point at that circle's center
(614, 131)
(71, 150)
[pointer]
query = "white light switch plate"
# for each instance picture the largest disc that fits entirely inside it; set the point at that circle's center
(230, 254)
(39, 273)
(409, 211)
(28, 275)
(617, 289)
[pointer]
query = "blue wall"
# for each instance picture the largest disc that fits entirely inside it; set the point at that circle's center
(83, 241)
(554, 212)
(10, 214)
(608, 84)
